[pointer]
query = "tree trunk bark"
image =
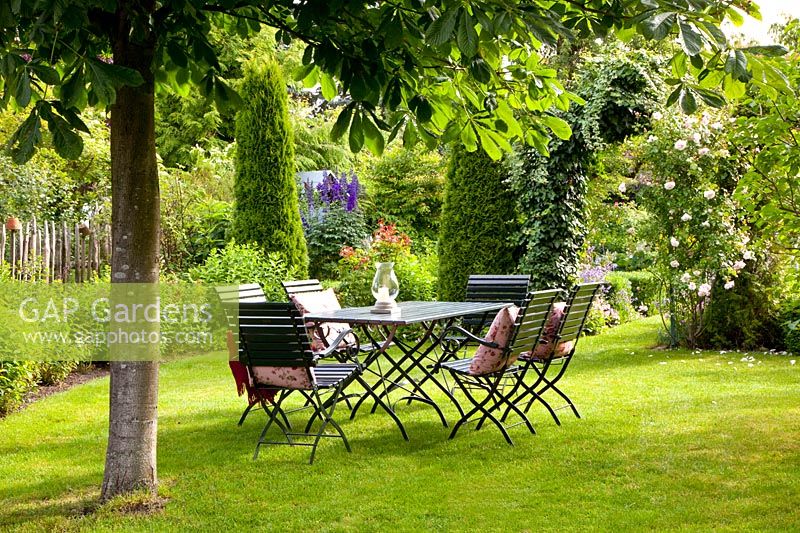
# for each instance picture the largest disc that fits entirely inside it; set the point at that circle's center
(133, 412)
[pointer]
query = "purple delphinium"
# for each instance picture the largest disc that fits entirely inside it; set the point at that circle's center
(352, 193)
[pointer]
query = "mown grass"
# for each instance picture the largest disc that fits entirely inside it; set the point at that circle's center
(669, 440)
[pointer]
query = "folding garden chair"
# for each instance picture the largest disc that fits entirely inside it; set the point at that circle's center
(490, 380)
(280, 359)
(493, 288)
(310, 297)
(550, 359)
(231, 296)
(489, 288)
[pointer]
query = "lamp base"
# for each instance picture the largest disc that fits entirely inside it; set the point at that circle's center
(384, 308)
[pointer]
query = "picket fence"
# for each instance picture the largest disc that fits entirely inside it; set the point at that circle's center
(49, 251)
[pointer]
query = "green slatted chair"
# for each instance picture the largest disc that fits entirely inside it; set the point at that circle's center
(279, 358)
(493, 391)
(493, 288)
(549, 367)
(231, 296)
(306, 286)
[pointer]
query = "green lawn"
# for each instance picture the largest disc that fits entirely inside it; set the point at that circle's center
(669, 440)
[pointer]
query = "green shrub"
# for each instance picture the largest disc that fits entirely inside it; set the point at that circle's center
(478, 216)
(644, 289)
(406, 187)
(267, 210)
(327, 234)
(790, 326)
(53, 372)
(245, 263)
(745, 316)
(17, 379)
(619, 296)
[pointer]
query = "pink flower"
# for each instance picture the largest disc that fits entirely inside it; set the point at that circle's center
(738, 265)
(692, 286)
(696, 137)
(674, 264)
(748, 256)
(709, 194)
(703, 151)
(686, 217)
(657, 115)
(704, 290)
(729, 285)
(669, 185)
(674, 242)
(680, 144)
(686, 278)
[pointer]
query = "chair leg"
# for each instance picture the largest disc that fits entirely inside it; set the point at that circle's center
(480, 407)
(246, 412)
(276, 408)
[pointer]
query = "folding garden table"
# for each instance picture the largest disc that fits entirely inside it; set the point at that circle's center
(414, 354)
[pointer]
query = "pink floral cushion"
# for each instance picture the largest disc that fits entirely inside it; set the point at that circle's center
(488, 360)
(320, 302)
(287, 377)
(545, 348)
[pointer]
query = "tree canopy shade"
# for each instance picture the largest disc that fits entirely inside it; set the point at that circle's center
(449, 70)
(430, 70)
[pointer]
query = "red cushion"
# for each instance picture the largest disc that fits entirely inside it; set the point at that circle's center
(488, 360)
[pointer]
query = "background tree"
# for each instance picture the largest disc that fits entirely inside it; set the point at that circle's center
(478, 216)
(267, 210)
(619, 95)
(409, 67)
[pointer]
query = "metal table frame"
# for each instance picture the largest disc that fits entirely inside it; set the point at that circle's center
(381, 330)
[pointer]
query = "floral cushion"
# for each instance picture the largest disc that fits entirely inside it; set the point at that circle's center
(287, 377)
(488, 360)
(545, 348)
(320, 302)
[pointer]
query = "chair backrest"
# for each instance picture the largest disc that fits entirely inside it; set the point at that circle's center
(274, 334)
(300, 286)
(247, 292)
(494, 288)
(273, 337)
(532, 320)
(579, 303)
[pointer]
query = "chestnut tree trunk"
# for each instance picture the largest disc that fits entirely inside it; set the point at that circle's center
(133, 414)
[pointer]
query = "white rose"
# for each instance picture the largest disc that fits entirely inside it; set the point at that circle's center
(709, 194)
(674, 264)
(696, 272)
(674, 242)
(696, 137)
(706, 224)
(686, 278)
(686, 217)
(669, 185)
(703, 151)
(738, 265)
(692, 286)
(716, 126)
(680, 144)
(729, 285)
(657, 115)
(748, 255)
(652, 138)
(704, 290)
(622, 187)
